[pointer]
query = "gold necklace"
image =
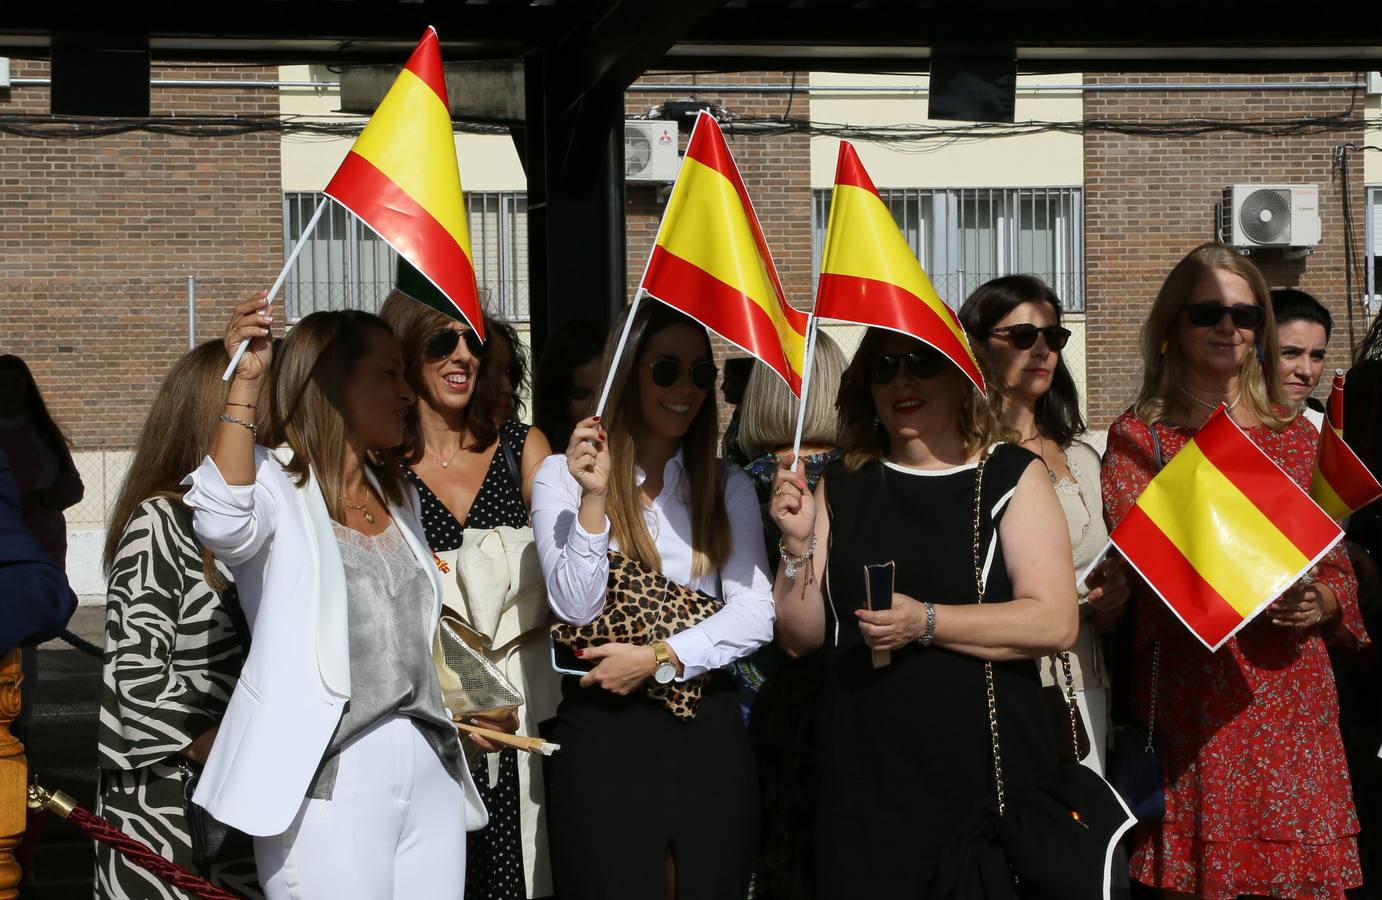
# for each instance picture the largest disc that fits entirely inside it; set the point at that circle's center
(362, 508)
(1209, 406)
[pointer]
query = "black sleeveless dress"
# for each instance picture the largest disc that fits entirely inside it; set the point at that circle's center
(494, 854)
(904, 751)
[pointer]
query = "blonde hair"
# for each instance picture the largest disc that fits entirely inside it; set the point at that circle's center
(768, 413)
(864, 440)
(1163, 361)
(709, 521)
(175, 438)
(310, 375)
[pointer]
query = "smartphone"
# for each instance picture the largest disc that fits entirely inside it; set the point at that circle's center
(878, 595)
(565, 660)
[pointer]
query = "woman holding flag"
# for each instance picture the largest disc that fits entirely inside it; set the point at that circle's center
(1257, 798)
(905, 745)
(640, 486)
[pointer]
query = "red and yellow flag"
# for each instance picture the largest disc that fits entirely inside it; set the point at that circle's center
(1342, 483)
(870, 276)
(711, 262)
(1222, 531)
(402, 180)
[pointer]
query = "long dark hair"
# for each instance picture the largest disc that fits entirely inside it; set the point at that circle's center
(39, 417)
(413, 323)
(573, 345)
(709, 521)
(175, 437)
(1058, 410)
(489, 387)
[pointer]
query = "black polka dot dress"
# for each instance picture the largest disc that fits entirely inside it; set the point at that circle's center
(494, 854)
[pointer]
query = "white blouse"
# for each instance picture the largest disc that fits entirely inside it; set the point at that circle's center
(575, 563)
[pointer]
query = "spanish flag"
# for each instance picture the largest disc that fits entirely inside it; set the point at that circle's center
(711, 262)
(870, 276)
(402, 180)
(1342, 484)
(1222, 531)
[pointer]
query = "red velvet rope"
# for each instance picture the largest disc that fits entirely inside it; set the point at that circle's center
(99, 829)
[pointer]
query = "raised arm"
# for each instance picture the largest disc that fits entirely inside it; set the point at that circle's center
(800, 607)
(574, 558)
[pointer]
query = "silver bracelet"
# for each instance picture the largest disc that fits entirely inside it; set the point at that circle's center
(254, 429)
(791, 563)
(929, 636)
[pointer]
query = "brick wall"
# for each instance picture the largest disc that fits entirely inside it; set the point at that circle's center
(99, 236)
(1148, 200)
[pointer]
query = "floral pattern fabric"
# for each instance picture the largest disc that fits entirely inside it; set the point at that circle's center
(1258, 800)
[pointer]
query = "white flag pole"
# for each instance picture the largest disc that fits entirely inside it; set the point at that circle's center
(278, 282)
(811, 327)
(619, 350)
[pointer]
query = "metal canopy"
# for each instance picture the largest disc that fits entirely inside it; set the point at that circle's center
(727, 34)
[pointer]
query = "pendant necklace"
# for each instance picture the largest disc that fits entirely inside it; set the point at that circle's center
(362, 508)
(450, 459)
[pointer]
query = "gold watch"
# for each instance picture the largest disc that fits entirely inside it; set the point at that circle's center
(665, 671)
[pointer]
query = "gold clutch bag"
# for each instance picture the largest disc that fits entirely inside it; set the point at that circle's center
(471, 685)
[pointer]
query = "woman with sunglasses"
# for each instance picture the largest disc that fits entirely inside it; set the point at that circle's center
(1014, 322)
(1257, 793)
(635, 786)
(472, 466)
(905, 761)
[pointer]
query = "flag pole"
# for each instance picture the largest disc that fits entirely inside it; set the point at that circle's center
(811, 327)
(278, 282)
(619, 350)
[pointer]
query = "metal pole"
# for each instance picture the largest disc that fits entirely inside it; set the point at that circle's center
(191, 311)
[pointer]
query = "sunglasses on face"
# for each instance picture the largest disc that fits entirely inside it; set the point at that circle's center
(1247, 316)
(926, 363)
(443, 343)
(1024, 336)
(667, 372)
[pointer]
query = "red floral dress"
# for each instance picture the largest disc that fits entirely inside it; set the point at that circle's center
(1257, 788)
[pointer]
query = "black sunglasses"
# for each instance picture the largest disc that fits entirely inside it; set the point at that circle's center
(926, 363)
(1247, 316)
(666, 372)
(1024, 336)
(443, 343)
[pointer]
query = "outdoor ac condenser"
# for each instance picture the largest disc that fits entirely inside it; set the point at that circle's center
(1270, 215)
(650, 151)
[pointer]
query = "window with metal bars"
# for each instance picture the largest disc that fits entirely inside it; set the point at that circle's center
(966, 236)
(345, 265)
(1372, 239)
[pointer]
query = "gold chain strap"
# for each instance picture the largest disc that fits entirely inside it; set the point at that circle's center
(988, 665)
(1071, 704)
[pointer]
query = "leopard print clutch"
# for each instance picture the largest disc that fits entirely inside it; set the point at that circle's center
(643, 606)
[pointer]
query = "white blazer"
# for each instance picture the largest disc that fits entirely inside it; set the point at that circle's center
(276, 538)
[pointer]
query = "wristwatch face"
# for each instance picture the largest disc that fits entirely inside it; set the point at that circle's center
(665, 673)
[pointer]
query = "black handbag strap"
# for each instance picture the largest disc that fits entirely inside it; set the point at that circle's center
(1159, 459)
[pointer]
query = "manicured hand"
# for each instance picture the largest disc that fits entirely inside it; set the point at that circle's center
(890, 629)
(587, 457)
(507, 723)
(250, 322)
(622, 668)
(1301, 607)
(792, 507)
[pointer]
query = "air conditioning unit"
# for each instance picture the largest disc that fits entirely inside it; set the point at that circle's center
(650, 151)
(1270, 215)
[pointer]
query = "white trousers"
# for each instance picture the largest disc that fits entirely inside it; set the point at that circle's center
(393, 828)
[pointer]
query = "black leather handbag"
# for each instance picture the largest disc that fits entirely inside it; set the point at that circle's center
(211, 838)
